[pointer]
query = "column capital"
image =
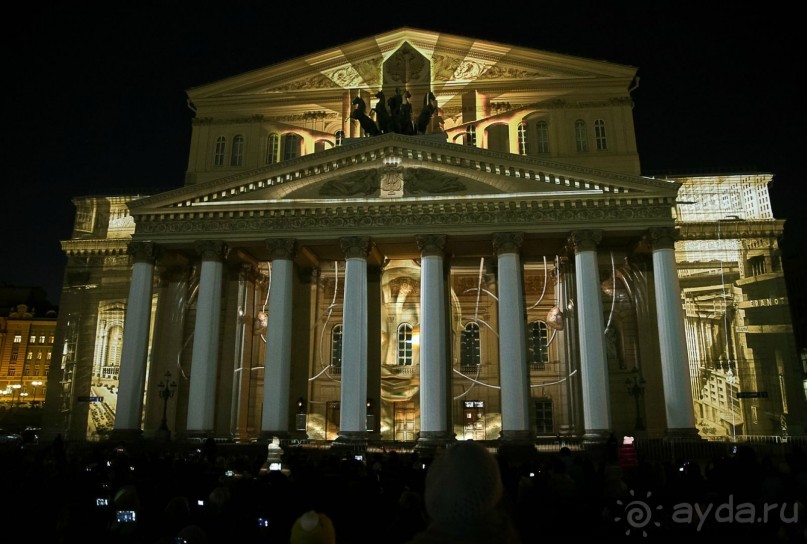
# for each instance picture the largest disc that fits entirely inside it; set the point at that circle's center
(584, 240)
(431, 244)
(214, 250)
(507, 242)
(662, 237)
(142, 252)
(281, 248)
(355, 247)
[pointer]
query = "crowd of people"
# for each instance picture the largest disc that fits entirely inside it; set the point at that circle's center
(135, 493)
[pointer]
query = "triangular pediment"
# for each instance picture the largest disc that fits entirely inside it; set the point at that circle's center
(407, 58)
(411, 169)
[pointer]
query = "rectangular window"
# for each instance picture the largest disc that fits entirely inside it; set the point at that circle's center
(42, 339)
(17, 338)
(543, 416)
(218, 157)
(30, 355)
(32, 340)
(599, 135)
(580, 136)
(542, 139)
(12, 371)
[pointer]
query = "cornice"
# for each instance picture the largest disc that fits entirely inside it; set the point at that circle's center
(95, 247)
(426, 150)
(724, 230)
(445, 215)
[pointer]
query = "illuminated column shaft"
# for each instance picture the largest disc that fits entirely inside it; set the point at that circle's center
(593, 365)
(433, 377)
(277, 361)
(515, 389)
(202, 393)
(134, 353)
(672, 338)
(353, 408)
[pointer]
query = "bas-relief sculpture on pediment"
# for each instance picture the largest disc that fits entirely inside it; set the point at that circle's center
(386, 182)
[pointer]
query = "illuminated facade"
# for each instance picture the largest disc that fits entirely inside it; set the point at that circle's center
(499, 271)
(26, 348)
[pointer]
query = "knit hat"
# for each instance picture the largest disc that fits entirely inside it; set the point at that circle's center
(463, 483)
(313, 528)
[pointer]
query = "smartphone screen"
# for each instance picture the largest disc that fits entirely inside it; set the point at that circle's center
(126, 516)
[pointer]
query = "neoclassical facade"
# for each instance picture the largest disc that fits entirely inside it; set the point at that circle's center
(497, 270)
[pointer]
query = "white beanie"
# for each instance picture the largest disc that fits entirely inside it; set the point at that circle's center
(463, 483)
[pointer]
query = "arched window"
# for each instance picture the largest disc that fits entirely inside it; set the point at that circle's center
(542, 140)
(599, 135)
(273, 148)
(470, 135)
(404, 344)
(237, 155)
(340, 137)
(336, 347)
(522, 138)
(218, 155)
(580, 135)
(469, 347)
(292, 144)
(537, 346)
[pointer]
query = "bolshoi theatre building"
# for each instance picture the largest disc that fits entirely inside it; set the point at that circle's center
(419, 237)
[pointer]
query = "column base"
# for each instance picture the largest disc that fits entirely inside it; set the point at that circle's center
(350, 441)
(429, 442)
(684, 434)
(125, 435)
(268, 436)
(197, 436)
(596, 436)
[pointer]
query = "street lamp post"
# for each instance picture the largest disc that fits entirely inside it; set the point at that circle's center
(635, 386)
(36, 384)
(16, 387)
(167, 390)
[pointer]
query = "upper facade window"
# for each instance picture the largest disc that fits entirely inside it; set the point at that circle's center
(17, 338)
(336, 346)
(221, 146)
(340, 137)
(237, 155)
(405, 344)
(580, 135)
(292, 144)
(522, 138)
(599, 135)
(273, 148)
(542, 137)
(538, 345)
(469, 347)
(470, 136)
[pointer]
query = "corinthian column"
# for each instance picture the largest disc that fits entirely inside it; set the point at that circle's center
(672, 337)
(277, 362)
(353, 406)
(434, 377)
(593, 366)
(202, 393)
(134, 352)
(515, 391)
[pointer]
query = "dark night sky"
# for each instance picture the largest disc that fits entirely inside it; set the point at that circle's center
(95, 96)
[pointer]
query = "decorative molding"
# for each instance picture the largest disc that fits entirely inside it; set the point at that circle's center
(213, 250)
(431, 244)
(95, 247)
(507, 242)
(584, 240)
(662, 237)
(355, 247)
(532, 215)
(281, 248)
(142, 251)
